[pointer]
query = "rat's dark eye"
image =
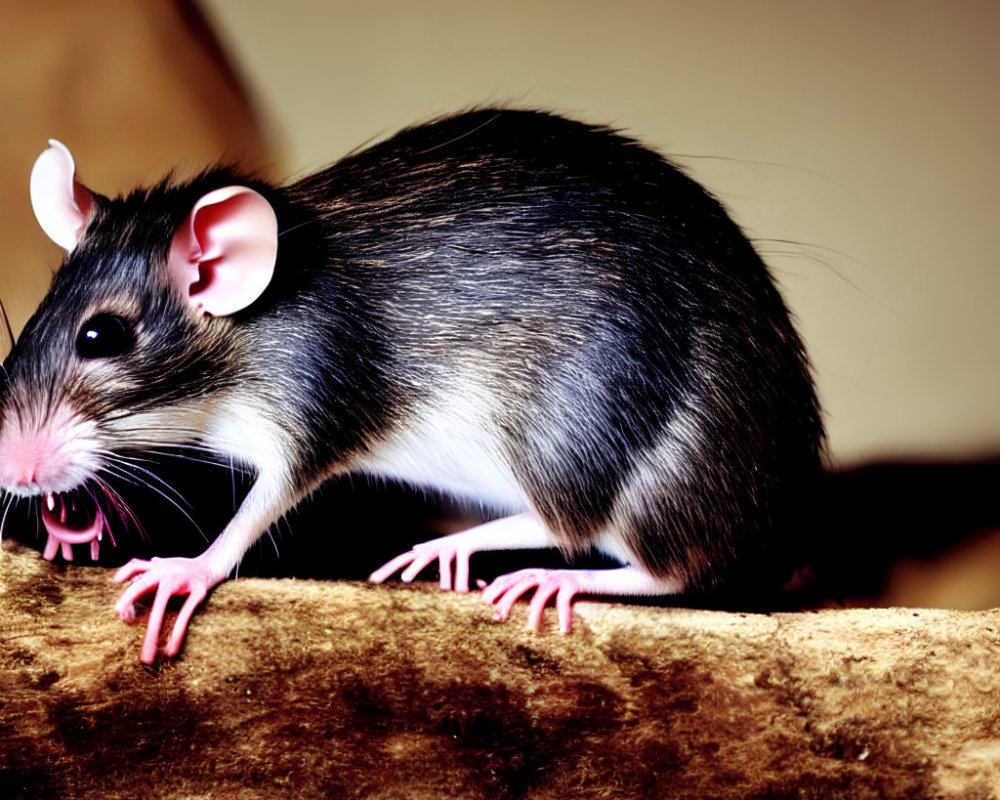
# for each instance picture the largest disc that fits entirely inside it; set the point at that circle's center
(103, 336)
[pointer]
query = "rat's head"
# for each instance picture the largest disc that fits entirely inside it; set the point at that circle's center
(136, 334)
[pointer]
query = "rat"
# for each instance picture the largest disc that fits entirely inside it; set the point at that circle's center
(526, 312)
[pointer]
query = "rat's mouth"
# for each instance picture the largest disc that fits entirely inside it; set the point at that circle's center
(72, 518)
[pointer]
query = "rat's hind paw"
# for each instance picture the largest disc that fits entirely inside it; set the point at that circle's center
(565, 584)
(447, 551)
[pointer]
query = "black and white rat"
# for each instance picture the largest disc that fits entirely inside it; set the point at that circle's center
(534, 314)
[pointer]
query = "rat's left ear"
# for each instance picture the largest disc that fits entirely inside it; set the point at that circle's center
(62, 205)
(222, 256)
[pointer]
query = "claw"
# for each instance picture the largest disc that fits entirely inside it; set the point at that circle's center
(447, 550)
(168, 577)
(564, 584)
(453, 552)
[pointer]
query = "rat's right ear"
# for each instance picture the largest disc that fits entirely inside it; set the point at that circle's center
(61, 205)
(222, 257)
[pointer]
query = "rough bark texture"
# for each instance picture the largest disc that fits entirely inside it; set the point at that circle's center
(337, 689)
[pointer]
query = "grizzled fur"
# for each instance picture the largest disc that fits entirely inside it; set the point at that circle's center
(565, 304)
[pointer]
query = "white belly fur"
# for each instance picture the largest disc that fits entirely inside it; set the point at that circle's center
(446, 447)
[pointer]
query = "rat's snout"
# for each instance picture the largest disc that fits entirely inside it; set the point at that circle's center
(49, 456)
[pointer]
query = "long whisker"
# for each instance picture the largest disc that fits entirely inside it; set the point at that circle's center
(6, 510)
(124, 474)
(10, 332)
(120, 507)
(136, 461)
(211, 462)
(232, 477)
(145, 442)
(137, 474)
(91, 492)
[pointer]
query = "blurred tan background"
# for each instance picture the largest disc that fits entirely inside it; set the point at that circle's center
(855, 141)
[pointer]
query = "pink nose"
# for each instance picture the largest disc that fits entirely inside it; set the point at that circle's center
(30, 459)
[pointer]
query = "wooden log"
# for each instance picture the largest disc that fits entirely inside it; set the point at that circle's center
(341, 689)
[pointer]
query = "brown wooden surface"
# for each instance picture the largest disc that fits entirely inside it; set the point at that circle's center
(337, 689)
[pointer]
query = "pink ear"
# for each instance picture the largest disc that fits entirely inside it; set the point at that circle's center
(222, 256)
(61, 204)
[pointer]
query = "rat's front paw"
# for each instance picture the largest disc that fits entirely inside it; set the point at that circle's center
(168, 577)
